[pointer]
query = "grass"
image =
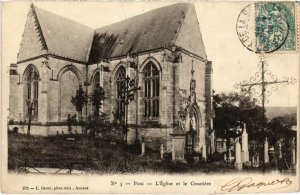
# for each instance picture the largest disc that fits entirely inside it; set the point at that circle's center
(99, 157)
(80, 153)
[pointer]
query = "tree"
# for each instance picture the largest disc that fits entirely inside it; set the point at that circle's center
(280, 127)
(79, 100)
(97, 98)
(98, 124)
(232, 110)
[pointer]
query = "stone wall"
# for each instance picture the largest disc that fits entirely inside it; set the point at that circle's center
(13, 94)
(174, 79)
(44, 130)
(31, 44)
(154, 137)
(49, 99)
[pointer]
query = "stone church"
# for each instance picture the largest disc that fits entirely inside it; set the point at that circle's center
(163, 49)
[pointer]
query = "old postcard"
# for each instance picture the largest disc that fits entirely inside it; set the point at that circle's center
(150, 97)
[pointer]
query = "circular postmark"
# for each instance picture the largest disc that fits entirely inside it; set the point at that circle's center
(262, 27)
(245, 27)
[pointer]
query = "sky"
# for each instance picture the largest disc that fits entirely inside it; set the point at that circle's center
(232, 62)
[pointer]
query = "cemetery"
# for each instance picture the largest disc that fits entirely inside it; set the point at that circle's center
(134, 99)
(98, 155)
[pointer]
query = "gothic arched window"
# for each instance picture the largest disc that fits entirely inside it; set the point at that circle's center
(151, 87)
(31, 85)
(120, 83)
(95, 83)
(96, 79)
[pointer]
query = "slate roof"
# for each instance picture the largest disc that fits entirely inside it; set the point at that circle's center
(151, 30)
(65, 37)
(155, 29)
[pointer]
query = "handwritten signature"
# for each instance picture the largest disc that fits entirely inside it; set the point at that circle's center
(238, 184)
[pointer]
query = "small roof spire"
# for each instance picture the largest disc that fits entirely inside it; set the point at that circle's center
(192, 71)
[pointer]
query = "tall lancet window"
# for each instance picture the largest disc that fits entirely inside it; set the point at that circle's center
(31, 85)
(120, 84)
(95, 84)
(151, 87)
(96, 79)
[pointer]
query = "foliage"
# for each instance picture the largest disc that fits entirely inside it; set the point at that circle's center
(98, 124)
(79, 100)
(71, 121)
(101, 127)
(215, 157)
(232, 110)
(97, 98)
(280, 127)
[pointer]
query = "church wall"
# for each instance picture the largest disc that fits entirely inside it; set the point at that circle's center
(92, 69)
(167, 93)
(152, 131)
(68, 85)
(173, 77)
(31, 44)
(166, 89)
(107, 87)
(208, 91)
(184, 70)
(13, 94)
(153, 137)
(20, 91)
(56, 97)
(45, 130)
(53, 104)
(49, 88)
(105, 76)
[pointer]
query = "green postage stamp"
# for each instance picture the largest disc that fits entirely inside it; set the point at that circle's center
(268, 27)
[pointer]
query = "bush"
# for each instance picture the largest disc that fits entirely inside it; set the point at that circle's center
(15, 130)
(215, 157)
(168, 157)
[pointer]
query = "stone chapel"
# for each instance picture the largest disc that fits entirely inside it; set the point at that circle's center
(163, 49)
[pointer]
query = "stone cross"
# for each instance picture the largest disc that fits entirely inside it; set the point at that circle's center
(245, 150)
(204, 151)
(212, 142)
(255, 160)
(238, 158)
(178, 147)
(224, 145)
(279, 149)
(293, 149)
(266, 152)
(161, 151)
(143, 148)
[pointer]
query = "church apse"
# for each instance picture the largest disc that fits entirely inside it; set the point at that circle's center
(159, 60)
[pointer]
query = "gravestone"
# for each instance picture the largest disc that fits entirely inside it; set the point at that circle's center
(161, 151)
(224, 145)
(238, 157)
(279, 147)
(266, 151)
(293, 152)
(143, 148)
(229, 155)
(255, 160)
(178, 147)
(204, 152)
(212, 143)
(245, 150)
(219, 145)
